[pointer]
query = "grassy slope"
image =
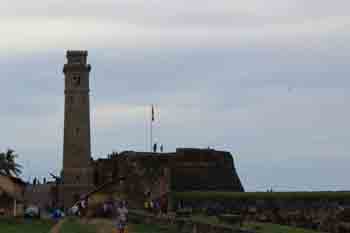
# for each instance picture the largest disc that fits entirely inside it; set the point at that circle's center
(24, 226)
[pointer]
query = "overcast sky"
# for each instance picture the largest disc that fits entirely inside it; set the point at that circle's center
(266, 80)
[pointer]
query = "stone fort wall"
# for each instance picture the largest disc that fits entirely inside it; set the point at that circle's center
(153, 175)
(190, 169)
(321, 211)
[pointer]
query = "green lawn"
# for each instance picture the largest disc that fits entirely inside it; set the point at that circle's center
(274, 228)
(256, 227)
(151, 228)
(24, 226)
(72, 225)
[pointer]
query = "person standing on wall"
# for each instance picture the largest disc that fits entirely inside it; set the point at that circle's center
(154, 147)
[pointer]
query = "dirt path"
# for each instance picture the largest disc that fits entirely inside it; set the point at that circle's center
(104, 225)
(107, 226)
(56, 228)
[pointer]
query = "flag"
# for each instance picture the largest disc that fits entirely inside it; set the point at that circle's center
(152, 113)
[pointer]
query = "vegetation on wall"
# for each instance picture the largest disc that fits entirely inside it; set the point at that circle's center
(223, 196)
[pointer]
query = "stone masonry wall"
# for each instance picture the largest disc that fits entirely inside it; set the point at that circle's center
(324, 215)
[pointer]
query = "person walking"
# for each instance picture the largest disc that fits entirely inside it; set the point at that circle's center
(122, 213)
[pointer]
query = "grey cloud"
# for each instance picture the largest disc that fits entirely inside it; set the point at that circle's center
(202, 103)
(180, 13)
(152, 74)
(33, 84)
(298, 174)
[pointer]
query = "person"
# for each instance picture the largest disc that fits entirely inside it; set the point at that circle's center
(84, 207)
(122, 213)
(146, 205)
(151, 205)
(105, 209)
(57, 214)
(80, 207)
(155, 147)
(161, 148)
(74, 210)
(34, 181)
(157, 207)
(164, 204)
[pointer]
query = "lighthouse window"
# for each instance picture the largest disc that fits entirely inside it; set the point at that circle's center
(71, 99)
(76, 80)
(77, 132)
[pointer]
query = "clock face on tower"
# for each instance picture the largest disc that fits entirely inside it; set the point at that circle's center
(76, 80)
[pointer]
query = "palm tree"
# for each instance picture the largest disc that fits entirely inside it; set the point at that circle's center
(8, 166)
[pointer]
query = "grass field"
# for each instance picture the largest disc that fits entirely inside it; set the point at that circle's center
(256, 227)
(96, 226)
(24, 226)
(274, 228)
(151, 228)
(72, 225)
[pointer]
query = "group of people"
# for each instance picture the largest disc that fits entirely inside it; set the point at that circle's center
(36, 181)
(80, 208)
(155, 148)
(157, 206)
(116, 209)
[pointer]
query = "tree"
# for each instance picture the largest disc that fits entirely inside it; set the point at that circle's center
(8, 165)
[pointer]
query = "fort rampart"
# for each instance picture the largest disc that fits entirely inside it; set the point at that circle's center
(323, 211)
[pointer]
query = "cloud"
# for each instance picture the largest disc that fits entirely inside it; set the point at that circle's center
(114, 115)
(42, 26)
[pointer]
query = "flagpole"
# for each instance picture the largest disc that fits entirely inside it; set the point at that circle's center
(151, 131)
(146, 129)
